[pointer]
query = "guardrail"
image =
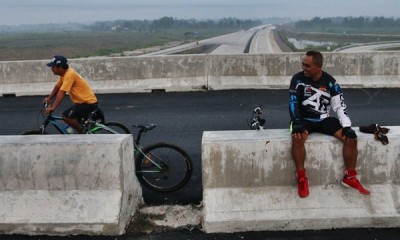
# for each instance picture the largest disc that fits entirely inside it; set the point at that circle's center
(201, 72)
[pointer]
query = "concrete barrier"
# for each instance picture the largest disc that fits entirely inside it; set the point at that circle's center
(249, 183)
(67, 185)
(201, 72)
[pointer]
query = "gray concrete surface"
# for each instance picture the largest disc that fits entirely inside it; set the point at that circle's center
(249, 183)
(67, 185)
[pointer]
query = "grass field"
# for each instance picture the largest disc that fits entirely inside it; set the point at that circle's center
(32, 46)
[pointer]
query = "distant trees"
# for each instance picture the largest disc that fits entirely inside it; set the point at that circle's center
(170, 22)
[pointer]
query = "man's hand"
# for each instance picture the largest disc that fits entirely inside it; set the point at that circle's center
(347, 132)
(298, 131)
(49, 110)
(47, 100)
(297, 127)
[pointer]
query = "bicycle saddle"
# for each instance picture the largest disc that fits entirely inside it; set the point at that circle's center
(146, 127)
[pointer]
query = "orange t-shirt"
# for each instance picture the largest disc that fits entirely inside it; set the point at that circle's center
(77, 87)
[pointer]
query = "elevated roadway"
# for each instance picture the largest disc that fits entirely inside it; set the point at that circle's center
(233, 43)
(259, 39)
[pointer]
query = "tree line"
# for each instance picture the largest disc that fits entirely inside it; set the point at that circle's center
(172, 23)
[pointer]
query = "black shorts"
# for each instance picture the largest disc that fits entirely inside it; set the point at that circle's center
(329, 126)
(79, 111)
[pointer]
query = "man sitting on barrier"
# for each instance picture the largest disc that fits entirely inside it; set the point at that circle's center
(79, 91)
(312, 93)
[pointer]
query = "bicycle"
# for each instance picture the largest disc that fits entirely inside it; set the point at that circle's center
(256, 121)
(93, 124)
(162, 167)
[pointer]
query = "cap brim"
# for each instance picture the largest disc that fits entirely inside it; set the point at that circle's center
(50, 64)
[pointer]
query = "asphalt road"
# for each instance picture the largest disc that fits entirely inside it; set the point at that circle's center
(183, 116)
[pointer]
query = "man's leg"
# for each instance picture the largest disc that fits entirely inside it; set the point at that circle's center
(299, 156)
(299, 150)
(73, 123)
(350, 154)
(350, 151)
(71, 116)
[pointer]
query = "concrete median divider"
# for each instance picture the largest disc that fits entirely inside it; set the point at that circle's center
(249, 183)
(200, 72)
(67, 185)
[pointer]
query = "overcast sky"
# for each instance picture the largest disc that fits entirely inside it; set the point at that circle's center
(16, 12)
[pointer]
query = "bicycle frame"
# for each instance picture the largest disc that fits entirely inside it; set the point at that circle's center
(139, 148)
(96, 126)
(92, 128)
(53, 121)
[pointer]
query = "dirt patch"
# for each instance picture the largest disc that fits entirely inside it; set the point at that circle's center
(166, 217)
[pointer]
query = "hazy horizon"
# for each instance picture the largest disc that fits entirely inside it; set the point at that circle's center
(20, 12)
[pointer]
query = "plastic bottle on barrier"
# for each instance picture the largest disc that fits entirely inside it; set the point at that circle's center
(68, 129)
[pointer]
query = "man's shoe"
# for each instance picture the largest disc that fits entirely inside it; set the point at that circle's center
(350, 180)
(302, 184)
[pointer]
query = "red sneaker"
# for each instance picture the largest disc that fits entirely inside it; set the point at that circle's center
(302, 183)
(350, 180)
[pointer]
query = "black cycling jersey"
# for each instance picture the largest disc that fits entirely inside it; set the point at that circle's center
(312, 100)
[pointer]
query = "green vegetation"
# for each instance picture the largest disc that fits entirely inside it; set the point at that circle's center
(105, 38)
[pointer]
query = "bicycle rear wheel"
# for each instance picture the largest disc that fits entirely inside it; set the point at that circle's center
(33, 132)
(110, 128)
(163, 167)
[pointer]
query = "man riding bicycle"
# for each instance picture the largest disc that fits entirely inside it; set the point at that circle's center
(78, 89)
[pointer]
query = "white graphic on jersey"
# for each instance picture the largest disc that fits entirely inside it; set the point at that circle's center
(318, 100)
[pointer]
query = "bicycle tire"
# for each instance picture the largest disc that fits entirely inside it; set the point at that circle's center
(176, 167)
(116, 126)
(33, 132)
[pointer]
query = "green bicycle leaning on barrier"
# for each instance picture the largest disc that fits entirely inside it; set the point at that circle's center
(162, 167)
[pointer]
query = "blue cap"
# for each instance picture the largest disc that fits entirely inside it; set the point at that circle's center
(57, 60)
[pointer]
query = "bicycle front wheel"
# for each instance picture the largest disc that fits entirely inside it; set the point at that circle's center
(110, 128)
(163, 167)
